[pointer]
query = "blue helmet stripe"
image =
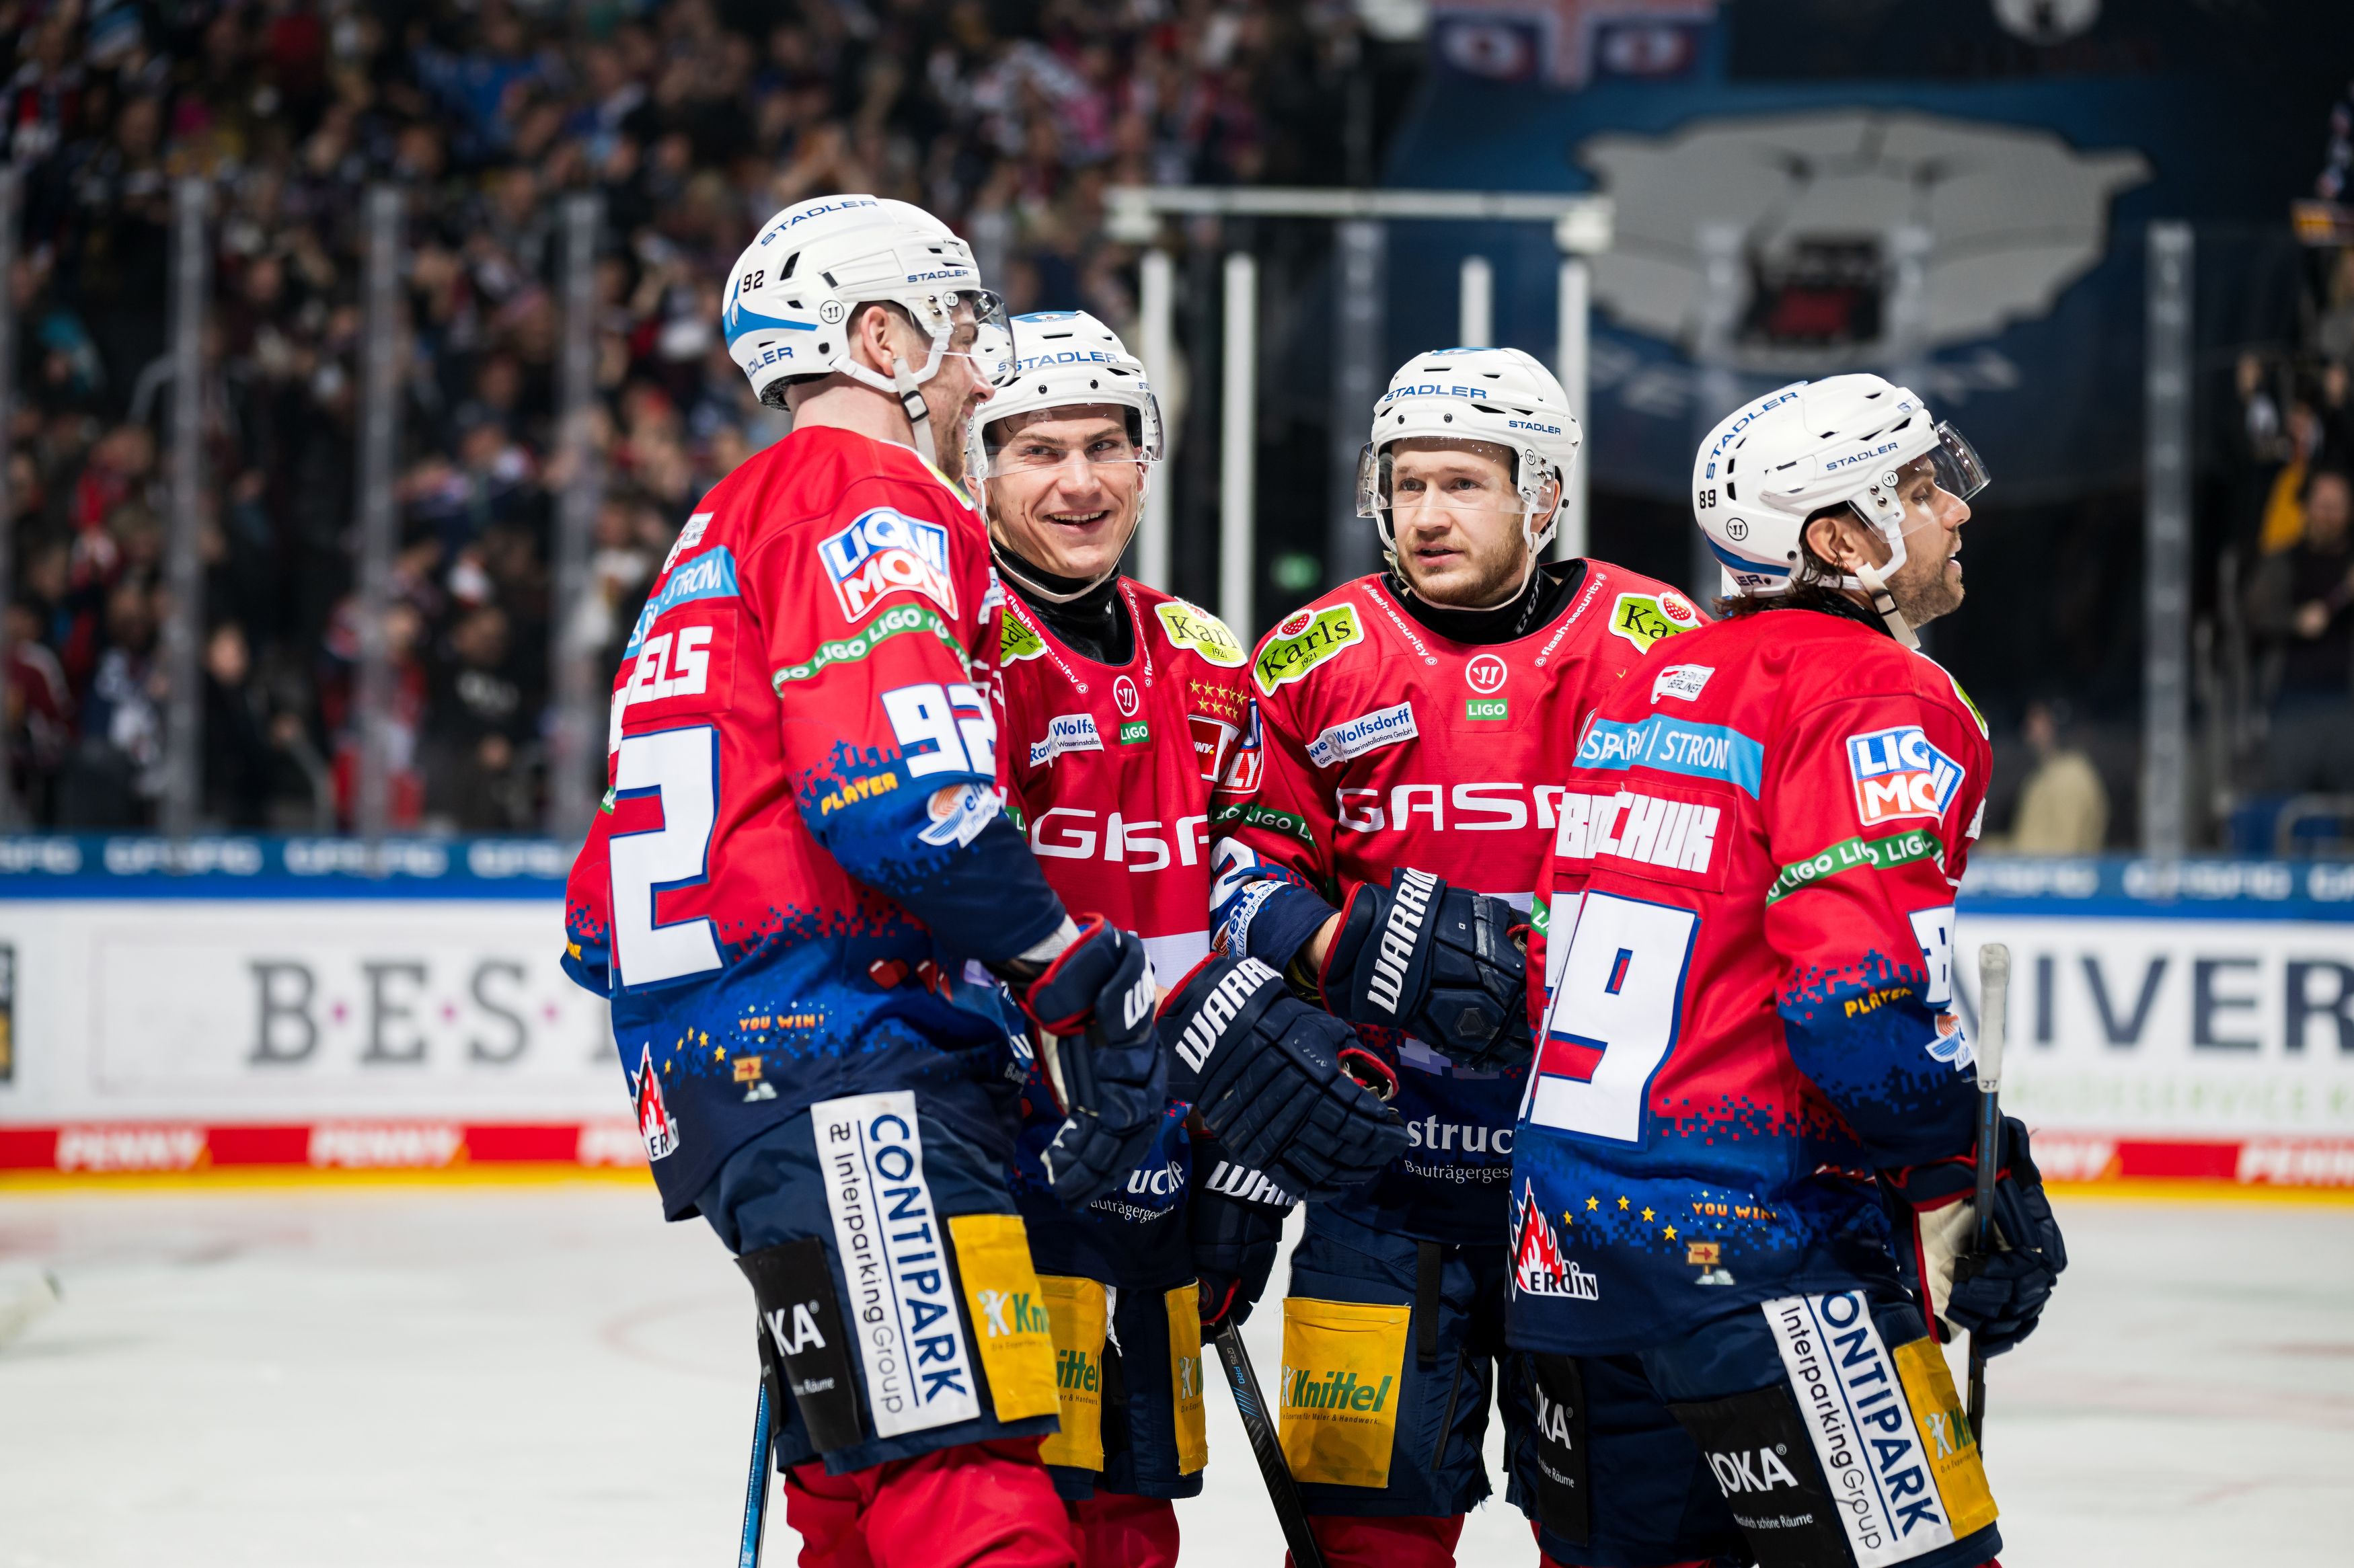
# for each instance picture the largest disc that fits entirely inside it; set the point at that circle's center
(741, 321)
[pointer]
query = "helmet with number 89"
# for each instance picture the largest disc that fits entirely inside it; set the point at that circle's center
(1810, 446)
(1500, 397)
(792, 293)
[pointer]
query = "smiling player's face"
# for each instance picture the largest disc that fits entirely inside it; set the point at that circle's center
(1065, 487)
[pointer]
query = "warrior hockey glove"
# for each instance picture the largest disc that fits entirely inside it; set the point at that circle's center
(1266, 1075)
(1447, 966)
(1235, 1220)
(1093, 1006)
(1998, 1296)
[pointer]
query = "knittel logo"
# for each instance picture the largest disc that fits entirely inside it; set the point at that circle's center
(654, 1123)
(1487, 675)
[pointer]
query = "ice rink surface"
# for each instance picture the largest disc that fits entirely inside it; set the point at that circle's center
(380, 1376)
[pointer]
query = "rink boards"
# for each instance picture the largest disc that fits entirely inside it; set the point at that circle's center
(292, 1005)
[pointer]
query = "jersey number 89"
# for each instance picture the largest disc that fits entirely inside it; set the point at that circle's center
(1614, 1015)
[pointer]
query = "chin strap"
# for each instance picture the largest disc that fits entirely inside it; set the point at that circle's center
(1009, 565)
(1867, 576)
(911, 404)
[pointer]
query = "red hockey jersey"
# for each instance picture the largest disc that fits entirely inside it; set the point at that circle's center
(1388, 745)
(1748, 987)
(803, 841)
(1109, 770)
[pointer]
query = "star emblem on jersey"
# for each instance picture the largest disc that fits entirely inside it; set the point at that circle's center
(1486, 674)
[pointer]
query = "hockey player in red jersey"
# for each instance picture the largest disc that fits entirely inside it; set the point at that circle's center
(1121, 708)
(1750, 1056)
(801, 893)
(1422, 717)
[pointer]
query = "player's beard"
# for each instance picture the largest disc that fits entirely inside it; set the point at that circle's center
(1490, 572)
(1923, 588)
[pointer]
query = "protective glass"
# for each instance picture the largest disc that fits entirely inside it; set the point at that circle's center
(1029, 450)
(1455, 476)
(1960, 470)
(992, 343)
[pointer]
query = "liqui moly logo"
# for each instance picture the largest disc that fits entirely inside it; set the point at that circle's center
(882, 552)
(1899, 774)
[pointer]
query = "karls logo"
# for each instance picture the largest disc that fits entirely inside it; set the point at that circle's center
(1366, 732)
(1899, 773)
(883, 551)
(1124, 698)
(1220, 1008)
(1487, 675)
(1409, 905)
(1302, 642)
(1066, 732)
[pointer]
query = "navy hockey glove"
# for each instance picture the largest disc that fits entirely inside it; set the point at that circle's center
(1998, 1296)
(1266, 1075)
(1447, 966)
(1234, 1221)
(1112, 1086)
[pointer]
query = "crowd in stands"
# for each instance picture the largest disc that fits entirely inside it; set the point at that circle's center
(693, 119)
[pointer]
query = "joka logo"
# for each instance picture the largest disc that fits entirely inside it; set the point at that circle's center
(798, 1334)
(1005, 1312)
(1751, 1470)
(1124, 698)
(1487, 675)
(654, 1123)
(1898, 773)
(1305, 1389)
(882, 552)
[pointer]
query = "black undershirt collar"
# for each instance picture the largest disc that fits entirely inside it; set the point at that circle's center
(1549, 589)
(1094, 625)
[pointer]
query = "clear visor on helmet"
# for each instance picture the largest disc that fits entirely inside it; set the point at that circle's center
(1436, 473)
(1047, 438)
(1960, 470)
(984, 334)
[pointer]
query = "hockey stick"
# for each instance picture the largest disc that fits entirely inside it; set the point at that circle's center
(1994, 1007)
(1272, 1467)
(755, 1489)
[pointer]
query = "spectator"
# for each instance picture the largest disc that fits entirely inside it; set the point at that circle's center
(693, 121)
(2299, 600)
(2063, 806)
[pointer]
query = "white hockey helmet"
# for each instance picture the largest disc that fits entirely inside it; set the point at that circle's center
(1499, 395)
(1066, 359)
(791, 295)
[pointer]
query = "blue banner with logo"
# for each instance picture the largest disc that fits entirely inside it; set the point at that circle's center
(1954, 194)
